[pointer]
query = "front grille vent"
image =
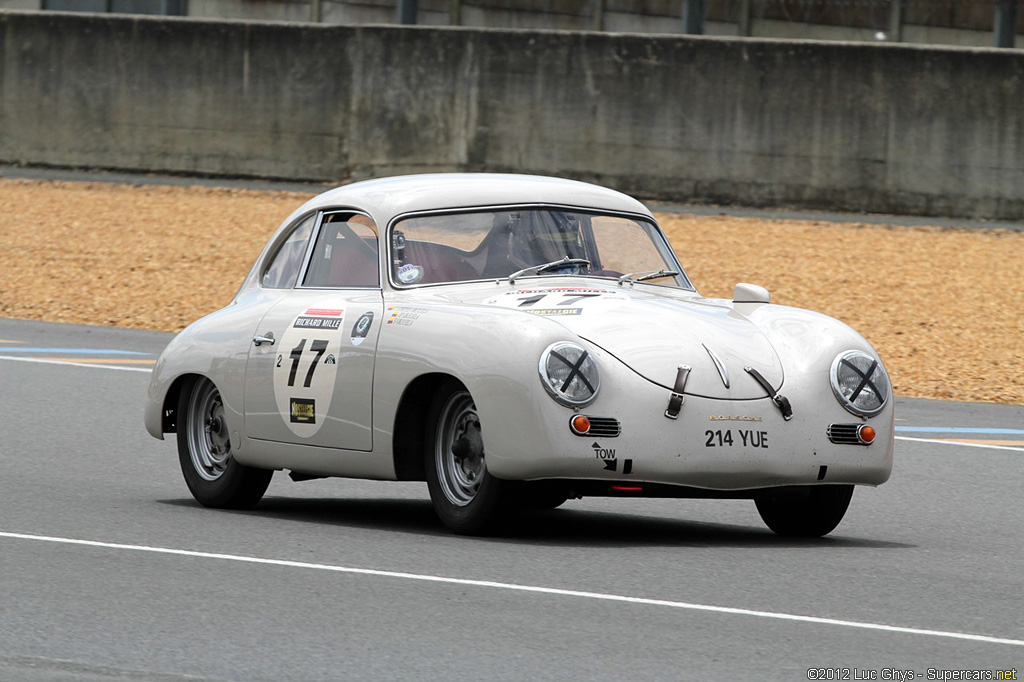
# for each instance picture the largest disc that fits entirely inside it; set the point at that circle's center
(604, 427)
(844, 434)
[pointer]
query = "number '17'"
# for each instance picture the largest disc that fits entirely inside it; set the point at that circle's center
(319, 347)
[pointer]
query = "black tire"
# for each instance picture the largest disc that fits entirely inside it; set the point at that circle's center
(466, 498)
(809, 513)
(204, 452)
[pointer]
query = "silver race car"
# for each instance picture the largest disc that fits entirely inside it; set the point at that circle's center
(516, 341)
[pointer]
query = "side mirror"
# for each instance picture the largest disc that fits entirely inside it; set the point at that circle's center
(750, 293)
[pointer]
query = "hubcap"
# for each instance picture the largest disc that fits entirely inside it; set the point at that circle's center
(459, 450)
(208, 442)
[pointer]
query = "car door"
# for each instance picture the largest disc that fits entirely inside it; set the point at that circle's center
(309, 373)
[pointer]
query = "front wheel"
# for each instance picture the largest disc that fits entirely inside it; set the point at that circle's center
(204, 452)
(808, 513)
(466, 498)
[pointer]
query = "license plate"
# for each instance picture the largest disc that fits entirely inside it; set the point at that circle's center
(740, 438)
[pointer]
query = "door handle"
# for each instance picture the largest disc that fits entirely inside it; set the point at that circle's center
(266, 338)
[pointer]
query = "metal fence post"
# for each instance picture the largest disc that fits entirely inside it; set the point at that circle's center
(316, 11)
(1006, 23)
(896, 21)
(407, 10)
(693, 16)
(744, 22)
(598, 23)
(454, 12)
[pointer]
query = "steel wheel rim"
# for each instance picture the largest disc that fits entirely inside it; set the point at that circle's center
(208, 443)
(459, 477)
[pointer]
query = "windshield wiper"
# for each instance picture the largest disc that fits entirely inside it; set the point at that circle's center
(537, 269)
(644, 276)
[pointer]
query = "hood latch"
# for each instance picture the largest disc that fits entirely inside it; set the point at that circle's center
(780, 401)
(675, 403)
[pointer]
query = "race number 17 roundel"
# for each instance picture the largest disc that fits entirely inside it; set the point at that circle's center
(306, 367)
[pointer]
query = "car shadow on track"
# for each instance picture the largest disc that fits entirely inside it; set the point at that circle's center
(559, 527)
(606, 529)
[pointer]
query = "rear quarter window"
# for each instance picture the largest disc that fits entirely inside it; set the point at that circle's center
(283, 267)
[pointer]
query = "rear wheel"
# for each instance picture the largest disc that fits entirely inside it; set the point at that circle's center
(466, 498)
(808, 513)
(204, 452)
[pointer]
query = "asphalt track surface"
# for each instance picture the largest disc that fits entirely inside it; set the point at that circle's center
(110, 571)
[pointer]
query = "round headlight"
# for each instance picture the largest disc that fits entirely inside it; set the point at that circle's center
(860, 383)
(569, 374)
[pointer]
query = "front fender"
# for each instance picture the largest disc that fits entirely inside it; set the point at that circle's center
(493, 351)
(806, 341)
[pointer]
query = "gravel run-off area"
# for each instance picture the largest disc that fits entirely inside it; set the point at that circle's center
(943, 306)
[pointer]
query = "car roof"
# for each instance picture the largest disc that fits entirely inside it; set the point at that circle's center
(386, 198)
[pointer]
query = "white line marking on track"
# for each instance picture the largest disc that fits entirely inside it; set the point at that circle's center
(961, 444)
(526, 588)
(74, 364)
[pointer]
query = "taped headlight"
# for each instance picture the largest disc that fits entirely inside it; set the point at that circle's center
(569, 374)
(860, 383)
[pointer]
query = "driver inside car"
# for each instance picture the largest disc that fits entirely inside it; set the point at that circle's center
(539, 237)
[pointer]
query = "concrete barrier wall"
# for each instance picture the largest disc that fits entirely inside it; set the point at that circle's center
(841, 126)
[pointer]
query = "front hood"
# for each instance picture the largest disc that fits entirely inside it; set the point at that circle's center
(653, 331)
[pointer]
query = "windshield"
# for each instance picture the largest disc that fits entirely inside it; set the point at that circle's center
(493, 244)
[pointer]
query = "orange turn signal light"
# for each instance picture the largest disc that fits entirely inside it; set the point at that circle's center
(866, 434)
(579, 424)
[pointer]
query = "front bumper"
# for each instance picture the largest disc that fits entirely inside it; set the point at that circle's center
(716, 445)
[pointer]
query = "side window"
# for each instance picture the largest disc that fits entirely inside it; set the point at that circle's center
(345, 254)
(285, 264)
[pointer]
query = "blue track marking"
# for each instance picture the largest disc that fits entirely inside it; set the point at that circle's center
(957, 429)
(74, 351)
(85, 363)
(963, 443)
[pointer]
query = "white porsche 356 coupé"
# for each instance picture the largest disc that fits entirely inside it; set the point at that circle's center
(516, 341)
